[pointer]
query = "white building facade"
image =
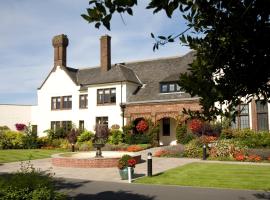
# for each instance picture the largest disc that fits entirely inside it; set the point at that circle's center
(146, 89)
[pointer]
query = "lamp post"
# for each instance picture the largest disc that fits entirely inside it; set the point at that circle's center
(204, 152)
(123, 107)
(149, 164)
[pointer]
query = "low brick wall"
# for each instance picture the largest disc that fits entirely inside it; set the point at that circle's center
(89, 163)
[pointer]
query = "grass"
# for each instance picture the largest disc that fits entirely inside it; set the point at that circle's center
(235, 176)
(25, 154)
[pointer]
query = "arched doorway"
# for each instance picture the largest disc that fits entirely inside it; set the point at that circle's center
(167, 133)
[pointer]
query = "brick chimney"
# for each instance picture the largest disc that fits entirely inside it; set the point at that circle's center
(60, 43)
(105, 53)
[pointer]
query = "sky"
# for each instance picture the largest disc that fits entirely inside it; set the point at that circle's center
(27, 28)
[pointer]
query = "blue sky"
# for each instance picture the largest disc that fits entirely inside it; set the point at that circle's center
(27, 28)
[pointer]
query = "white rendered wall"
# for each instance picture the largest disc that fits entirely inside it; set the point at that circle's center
(58, 84)
(12, 114)
(113, 112)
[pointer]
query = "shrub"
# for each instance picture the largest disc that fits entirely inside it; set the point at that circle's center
(116, 137)
(126, 161)
(59, 143)
(85, 136)
(142, 126)
(264, 153)
(28, 184)
(11, 140)
(30, 139)
(226, 134)
(84, 146)
(254, 158)
(249, 137)
(128, 129)
(43, 142)
(153, 133)
(207, 139)
(145, 146)
(193, 149)
(225, 148)
(182, 135)
(112, 147)
(256, 140)
(161, 153)
(137, 139)
(167, 153)
(57, 134)
(4, 128)
(215, 129)
(196, 126)
(181, 131)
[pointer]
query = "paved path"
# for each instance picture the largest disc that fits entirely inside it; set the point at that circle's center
(105, 183)
(100, 174)
(98, 190)
(109, 174)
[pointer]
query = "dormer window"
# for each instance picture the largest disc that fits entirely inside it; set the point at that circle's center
(170, 87)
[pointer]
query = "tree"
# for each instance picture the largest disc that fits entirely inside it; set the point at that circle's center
(231, 41)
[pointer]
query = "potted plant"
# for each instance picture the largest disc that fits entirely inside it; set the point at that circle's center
(124, 162)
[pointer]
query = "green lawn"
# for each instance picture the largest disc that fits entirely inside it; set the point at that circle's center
(215, 175)
(25, 154)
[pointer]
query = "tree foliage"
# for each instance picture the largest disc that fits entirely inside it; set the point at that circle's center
(231, 41)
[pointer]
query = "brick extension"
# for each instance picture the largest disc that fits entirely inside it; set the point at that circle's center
(89, 163)
(157, 111)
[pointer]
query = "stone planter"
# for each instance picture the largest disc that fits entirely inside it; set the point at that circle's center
(124, 173)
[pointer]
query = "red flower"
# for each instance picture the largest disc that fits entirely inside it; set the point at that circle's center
(131, 162)
(161, 153)
(134, 148)
(196, 125)
(207, 139)
(20, 127)
(142, 126)
(254, 158)
(239, 157)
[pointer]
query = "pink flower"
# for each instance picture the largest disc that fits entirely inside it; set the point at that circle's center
(20, 127)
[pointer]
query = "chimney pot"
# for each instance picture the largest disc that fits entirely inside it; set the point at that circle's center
(60, 43)
(105, 53)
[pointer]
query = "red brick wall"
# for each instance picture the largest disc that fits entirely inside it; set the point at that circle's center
(88, 163)
(157, 111)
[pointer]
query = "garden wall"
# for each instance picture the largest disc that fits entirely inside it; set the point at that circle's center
(12, 114)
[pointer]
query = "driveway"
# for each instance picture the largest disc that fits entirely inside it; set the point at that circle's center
(99, 174)
(97, 190)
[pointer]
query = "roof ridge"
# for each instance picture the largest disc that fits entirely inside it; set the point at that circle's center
(162, 58)
(140, 61)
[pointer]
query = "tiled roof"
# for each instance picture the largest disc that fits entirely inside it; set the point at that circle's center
(146, 74)
(117, 73)
(152, 73)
